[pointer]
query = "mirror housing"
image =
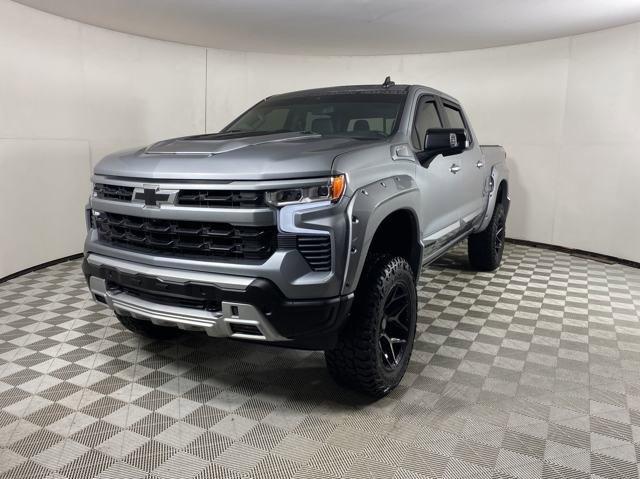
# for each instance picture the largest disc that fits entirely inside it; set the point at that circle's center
(443, 141)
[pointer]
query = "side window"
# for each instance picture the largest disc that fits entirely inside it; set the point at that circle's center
(456, 120)
(454, 116)
(426, 117)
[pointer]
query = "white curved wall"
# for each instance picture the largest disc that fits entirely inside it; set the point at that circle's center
(566, 110)
(69, 94)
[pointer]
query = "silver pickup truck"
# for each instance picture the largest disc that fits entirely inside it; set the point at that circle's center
(304, 223)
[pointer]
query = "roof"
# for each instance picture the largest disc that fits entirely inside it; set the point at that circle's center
(337, 90)
(348, 89)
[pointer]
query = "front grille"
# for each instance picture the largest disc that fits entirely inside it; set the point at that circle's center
(113, 192)
(221, 198)
(193, 198)
(186, 238)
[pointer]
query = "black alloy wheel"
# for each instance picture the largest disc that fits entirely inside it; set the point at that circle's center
(500, 235)
(394, 327)
(486, 247)
(374, 348)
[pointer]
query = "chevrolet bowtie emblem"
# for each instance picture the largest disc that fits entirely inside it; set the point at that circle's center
(151, 196)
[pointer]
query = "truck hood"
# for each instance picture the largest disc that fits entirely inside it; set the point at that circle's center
(232, 157)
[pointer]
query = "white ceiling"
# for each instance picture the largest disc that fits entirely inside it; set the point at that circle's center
(348, 27)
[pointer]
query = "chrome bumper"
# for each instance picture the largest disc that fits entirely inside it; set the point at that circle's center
(214, 323)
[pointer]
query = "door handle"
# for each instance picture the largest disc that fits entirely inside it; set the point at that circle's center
(480, 164)
(454, 168)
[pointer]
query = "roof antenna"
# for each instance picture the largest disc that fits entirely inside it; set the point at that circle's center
(387, 82)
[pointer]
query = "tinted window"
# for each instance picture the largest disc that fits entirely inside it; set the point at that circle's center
(426, 117)
(270, 121)
(454, 116)
(360, 115)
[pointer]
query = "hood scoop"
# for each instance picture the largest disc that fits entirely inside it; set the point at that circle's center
(208, 145)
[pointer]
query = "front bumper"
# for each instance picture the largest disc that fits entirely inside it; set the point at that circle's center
(221, 305)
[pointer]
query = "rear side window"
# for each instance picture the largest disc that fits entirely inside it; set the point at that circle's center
(426, 117)
(454, 116)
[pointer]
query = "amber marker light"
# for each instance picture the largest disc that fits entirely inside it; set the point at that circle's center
(337, 187)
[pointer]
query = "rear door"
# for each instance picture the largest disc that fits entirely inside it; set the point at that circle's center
(470, 162)
(441, 188)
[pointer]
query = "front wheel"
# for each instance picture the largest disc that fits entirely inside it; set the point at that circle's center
(373, 351)
(486, 248)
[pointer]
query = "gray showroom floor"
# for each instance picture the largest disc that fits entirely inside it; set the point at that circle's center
(533, 371)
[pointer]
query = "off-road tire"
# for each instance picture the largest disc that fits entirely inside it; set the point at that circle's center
(486, 248)
(357, 362)
(147, 328)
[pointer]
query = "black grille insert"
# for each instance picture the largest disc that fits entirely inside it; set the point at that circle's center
(168, 300)
(188, 295)
(186, 238)
(113, 192)
(221, 198)
(316, 250)
(238, 328)
(193, 198)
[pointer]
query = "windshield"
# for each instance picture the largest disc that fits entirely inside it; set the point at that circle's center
(358, 115)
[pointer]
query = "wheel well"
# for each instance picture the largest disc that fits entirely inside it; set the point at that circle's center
(398, 235)
(503, 190)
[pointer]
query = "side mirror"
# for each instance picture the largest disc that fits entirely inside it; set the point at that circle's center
(443, 141)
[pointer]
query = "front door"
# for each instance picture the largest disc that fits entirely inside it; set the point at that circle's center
(439, 182)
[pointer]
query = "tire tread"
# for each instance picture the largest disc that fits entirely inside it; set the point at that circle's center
(480, 246)
(354, 362)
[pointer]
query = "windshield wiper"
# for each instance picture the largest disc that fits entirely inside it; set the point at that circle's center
(377, 136)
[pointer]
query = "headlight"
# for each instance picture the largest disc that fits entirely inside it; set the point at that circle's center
(331, 189)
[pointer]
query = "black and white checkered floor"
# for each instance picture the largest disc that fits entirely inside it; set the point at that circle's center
(532, 371)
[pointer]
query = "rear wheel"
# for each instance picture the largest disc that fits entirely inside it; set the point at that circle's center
(147, 328)
(486, 248)
(373, 351)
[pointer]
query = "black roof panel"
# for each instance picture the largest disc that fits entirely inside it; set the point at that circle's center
(341, 90)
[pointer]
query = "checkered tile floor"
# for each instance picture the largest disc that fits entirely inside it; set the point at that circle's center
(533, 371)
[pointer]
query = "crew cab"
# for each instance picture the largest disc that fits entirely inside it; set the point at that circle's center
(304, 223)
